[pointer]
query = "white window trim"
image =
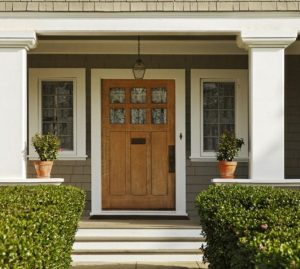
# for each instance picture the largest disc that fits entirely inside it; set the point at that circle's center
(97, 75)
(77, 75)
(240, 77)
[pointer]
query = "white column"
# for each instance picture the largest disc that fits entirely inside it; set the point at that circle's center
(266, 106)
(13, 103)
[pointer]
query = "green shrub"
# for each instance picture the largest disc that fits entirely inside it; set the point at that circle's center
(250, 227)
(38, 225)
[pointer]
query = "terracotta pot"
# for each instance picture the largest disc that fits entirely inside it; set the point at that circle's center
(43, 168)
(227, 169)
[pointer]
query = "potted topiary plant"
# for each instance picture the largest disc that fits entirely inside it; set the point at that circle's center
(228, 148)
(47, 147)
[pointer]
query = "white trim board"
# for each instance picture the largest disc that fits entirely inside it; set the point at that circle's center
(31, 181)
(153, 23)
(268, 182)
(150, 47)
(179, 76)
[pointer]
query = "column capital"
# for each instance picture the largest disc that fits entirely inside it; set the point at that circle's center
(26, 40)
(247, 41)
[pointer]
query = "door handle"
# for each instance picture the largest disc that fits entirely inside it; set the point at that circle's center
(171, 154)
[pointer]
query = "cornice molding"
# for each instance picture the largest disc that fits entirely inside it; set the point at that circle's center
(247, 42)
(27, 40)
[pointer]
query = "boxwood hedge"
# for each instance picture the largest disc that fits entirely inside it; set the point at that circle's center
(250, 227)
(38, 225)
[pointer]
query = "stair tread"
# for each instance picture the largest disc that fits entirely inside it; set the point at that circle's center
(125, 251)
(138, 233)
(135, 258)
(139, 224)
(138, 239)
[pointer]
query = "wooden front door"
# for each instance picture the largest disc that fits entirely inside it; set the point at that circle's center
(138, 144)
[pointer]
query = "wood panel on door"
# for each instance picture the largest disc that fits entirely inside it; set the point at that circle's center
(138, 125)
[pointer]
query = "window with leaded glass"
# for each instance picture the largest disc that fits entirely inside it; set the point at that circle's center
(219, 103)
(57, 111)
(57, 105)
(218, 112)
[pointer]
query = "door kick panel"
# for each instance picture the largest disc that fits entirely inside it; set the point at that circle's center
(138, 141)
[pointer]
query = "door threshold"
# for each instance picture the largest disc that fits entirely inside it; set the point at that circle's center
(138, 217)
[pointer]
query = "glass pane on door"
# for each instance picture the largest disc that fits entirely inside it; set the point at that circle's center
(138, 95)
(138, 116)
(117, 96)
(159, 115)
(117, 116)
(159, 95)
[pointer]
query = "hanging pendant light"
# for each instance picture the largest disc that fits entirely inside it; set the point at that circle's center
(139, 68)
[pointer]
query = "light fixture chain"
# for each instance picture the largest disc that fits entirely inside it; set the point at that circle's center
(139, 67)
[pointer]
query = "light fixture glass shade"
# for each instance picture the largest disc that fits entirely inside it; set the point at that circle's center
(139, 69)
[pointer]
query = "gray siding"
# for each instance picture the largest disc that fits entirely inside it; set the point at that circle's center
(78, 173)
(147, 5)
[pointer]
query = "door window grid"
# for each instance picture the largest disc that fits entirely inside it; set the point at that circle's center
(218, 112)
(57, 111)
(133, 105)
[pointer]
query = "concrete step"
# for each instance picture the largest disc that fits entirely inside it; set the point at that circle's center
(146, 265)
(95, 246)
(139, 235)
(133, 258)
(125, 247)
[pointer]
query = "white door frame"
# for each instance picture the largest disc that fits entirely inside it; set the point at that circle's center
(180, 190)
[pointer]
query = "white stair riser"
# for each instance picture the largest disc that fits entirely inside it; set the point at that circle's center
(135, 233)
(95, 246)
(129, 258)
